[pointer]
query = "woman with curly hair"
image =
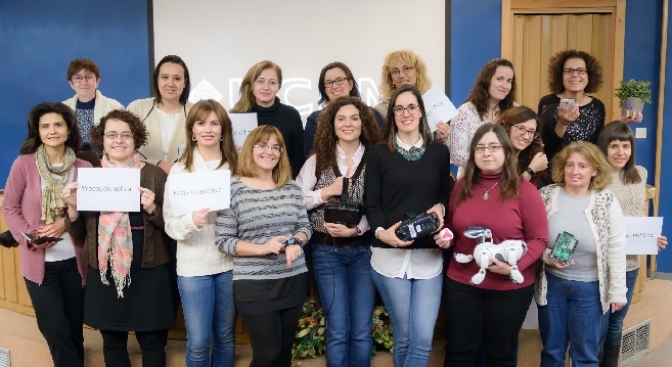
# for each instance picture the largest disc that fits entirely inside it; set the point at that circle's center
(522, 126)
(572, 75)
(127, 282)
(336, 80)
(493, 93)
(342, 253)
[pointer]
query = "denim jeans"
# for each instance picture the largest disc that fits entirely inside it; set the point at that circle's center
(572, 316)
(612, 327)
(210, 316)
(348, 295)
(413, 305)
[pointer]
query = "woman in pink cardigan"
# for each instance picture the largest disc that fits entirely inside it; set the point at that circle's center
(32, 204)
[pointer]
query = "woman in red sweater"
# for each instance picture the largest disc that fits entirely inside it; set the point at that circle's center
(491, 195)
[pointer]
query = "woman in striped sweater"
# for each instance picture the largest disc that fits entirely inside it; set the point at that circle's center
(264, 230)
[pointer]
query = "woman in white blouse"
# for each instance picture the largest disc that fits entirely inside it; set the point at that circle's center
(164, 115)
(493, 93)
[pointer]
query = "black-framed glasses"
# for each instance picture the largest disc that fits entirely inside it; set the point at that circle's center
(491, 148)
(337, 81)
(570, 71)
(404, 69)
(265, 146)
(520, 130)
(78, 79)
(411, 108)
(113, 135)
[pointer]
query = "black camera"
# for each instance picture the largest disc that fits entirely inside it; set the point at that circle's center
(417, 226)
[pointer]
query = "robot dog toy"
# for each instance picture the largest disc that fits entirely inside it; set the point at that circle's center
(509, 251)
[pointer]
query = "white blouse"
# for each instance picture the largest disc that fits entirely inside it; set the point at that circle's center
(168, 125)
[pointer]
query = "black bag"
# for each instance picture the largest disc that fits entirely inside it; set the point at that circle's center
(339, 209)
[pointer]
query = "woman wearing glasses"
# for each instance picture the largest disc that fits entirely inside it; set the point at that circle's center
(522, 126)
(88, 103)
(264, 230)
(493, 93)
(127, 282)
(336, 80)
(53, 271)
(165, 114)
(491, 195)
(258, 93)
(570, 113)
(407, 172)
(342, 253)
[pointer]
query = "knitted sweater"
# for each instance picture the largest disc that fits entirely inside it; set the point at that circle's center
(256, 216)
(632, 199)
(606, 220)
(197, 254)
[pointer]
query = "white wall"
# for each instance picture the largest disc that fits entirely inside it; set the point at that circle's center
(221, 40)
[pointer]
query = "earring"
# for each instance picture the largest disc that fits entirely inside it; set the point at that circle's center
(221, 138)
(394, 86)
(193, 137)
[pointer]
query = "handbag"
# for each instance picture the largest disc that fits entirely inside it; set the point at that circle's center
(341, 210)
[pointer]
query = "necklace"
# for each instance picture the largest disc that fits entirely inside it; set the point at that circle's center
(486, 196)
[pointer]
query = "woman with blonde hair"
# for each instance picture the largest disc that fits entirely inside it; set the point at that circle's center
(205, 274)
(264, 230)
(584, 280)
(258, 93)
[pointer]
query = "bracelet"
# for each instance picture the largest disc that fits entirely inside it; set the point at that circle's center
(530, 171)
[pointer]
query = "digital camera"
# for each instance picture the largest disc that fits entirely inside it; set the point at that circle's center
(417, 226)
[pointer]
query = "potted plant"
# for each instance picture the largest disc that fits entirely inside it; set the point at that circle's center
(633, 94)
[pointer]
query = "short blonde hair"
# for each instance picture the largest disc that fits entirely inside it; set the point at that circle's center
(282, 172)
(422, 81)
(593, 156)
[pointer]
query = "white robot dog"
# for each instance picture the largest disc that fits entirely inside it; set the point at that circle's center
(509, 251)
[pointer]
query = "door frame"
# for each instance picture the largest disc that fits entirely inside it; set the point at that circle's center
(511, 8)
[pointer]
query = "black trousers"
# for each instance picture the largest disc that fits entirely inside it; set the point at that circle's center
(271, 336)
(152, 344)
(59, 310)
(490, 317)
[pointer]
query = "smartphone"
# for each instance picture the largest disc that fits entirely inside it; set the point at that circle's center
(567, 103)
(563, 250)
(39, 240)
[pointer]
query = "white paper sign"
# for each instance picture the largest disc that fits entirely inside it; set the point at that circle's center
(243, 124)
(197, 190)
(438, 107)
(108, 189)
(642, 235)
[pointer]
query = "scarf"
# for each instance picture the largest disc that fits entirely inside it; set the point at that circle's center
(115, 242)
(52, 196)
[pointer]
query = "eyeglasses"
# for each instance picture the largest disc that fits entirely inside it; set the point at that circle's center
(520, 130)
(337, 81)
(113, 135)
(411, 108)
(570, 71)
(264, 146)
(78, 79)
(491, 148)
(405, 69)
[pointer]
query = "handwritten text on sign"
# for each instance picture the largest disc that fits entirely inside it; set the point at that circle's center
(243, 124)
(641, 235)
(438, 107)
(108, 189)
(193, 191)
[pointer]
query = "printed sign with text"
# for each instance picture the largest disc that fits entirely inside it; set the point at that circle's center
(641, 235)
(243, 124)
(438, 107)
(108, 189)
(197, 190)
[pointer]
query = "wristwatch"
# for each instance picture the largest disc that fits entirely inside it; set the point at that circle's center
(530, 171)
(296, 240)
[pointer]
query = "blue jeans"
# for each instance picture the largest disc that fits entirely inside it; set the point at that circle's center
(210, 316)
(348, 295)
(413, 305)
(612, 328)
(572, 316)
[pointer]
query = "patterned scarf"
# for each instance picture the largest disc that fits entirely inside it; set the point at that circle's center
(52, 196)
(115, 242)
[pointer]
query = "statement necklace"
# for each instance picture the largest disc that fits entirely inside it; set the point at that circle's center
(486, 196)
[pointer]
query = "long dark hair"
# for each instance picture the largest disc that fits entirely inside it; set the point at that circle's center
(518, 115)
(390, 131)
(619, 130)
(33, 140)
(509, 179)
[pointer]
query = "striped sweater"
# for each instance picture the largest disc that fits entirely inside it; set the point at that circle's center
(256, 216)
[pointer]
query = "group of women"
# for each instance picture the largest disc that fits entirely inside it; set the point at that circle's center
(248, 260)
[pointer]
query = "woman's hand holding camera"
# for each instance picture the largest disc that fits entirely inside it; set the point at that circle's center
(567, 114)
(389, 236)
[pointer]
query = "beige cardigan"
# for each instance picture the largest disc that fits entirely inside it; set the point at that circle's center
(147, 111)
(103, 106)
